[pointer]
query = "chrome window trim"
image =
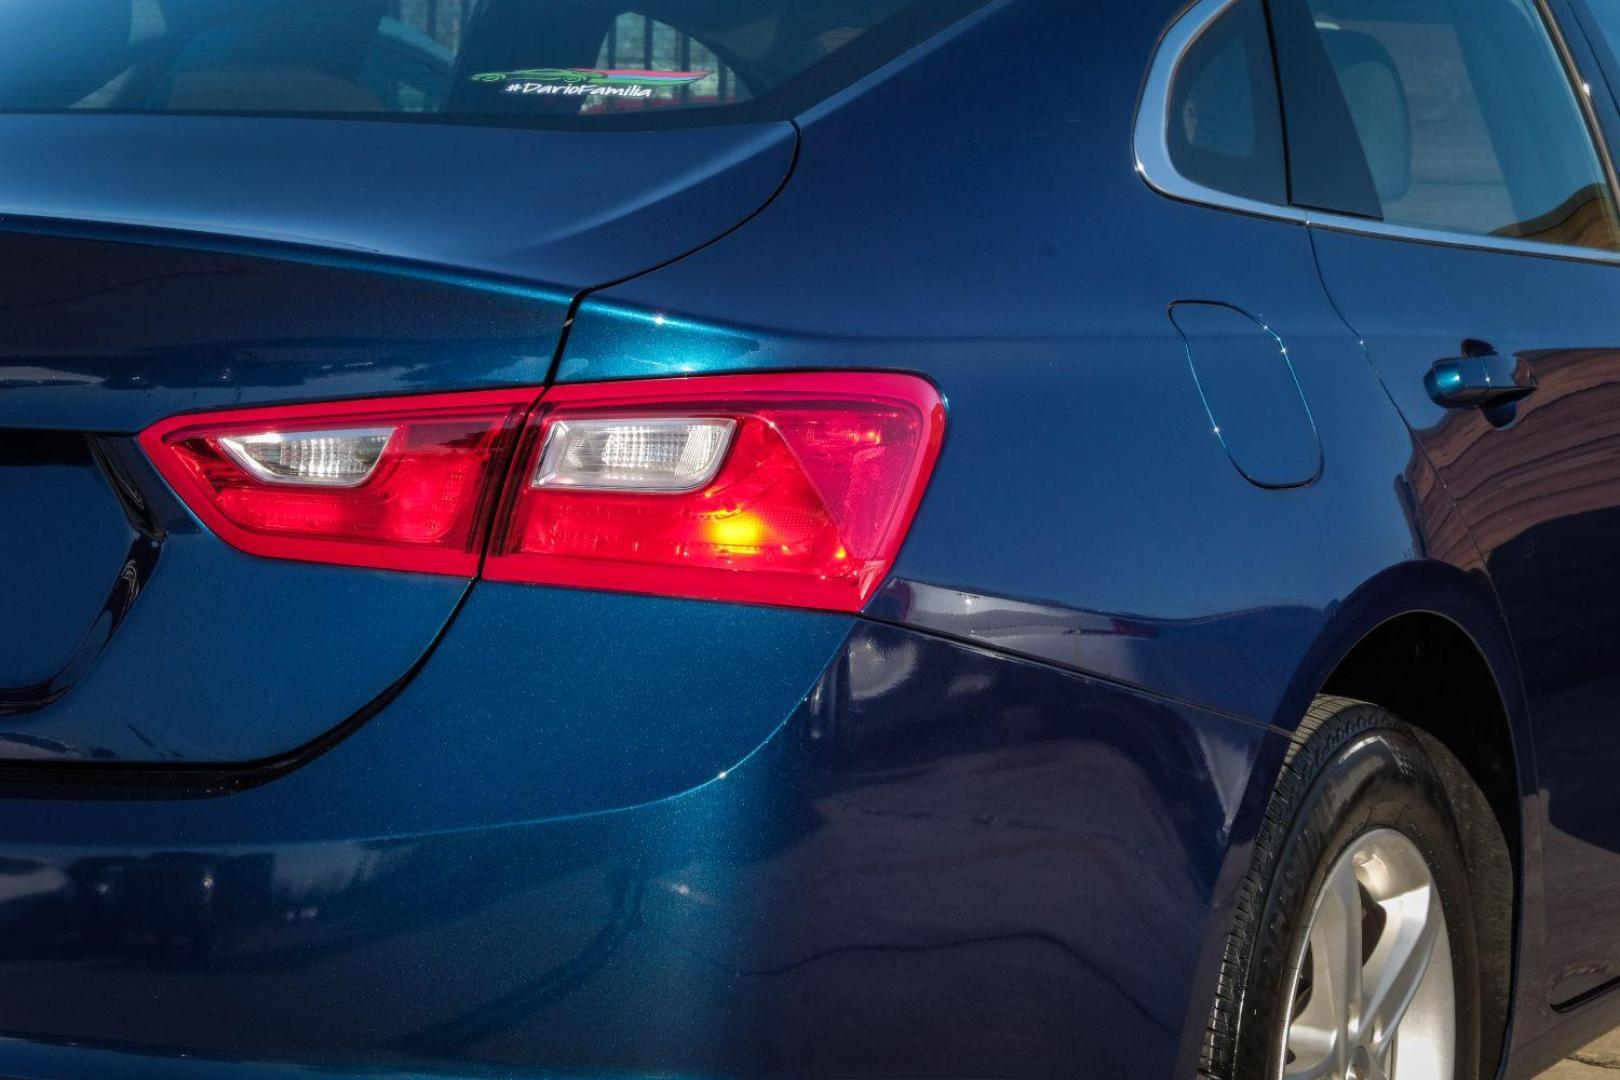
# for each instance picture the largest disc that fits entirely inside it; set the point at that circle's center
(1153, 164)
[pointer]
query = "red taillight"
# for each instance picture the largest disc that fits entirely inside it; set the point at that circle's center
(817, 488)
(397, 483)
(790, 489)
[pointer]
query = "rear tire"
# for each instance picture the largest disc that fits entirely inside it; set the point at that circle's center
(1360, 855)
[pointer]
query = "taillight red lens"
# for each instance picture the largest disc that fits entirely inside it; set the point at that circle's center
(397, 483)
(819, 482)
(788, 489)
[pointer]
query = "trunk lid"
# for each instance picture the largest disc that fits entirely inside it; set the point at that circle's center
(151, 266)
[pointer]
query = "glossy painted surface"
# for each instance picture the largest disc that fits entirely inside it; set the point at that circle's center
(991, 826)
(107, 335)
(152, 641)
(913, 825)
(1531, 480)
(1251, 395)
(1536, 488)
(562, 208)
(1079, 446)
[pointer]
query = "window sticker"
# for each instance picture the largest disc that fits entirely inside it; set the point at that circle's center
(589, 82)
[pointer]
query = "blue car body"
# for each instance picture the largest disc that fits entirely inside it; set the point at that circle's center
(271, 819)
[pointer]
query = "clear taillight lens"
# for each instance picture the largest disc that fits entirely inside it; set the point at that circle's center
(310, 458)
(780, 489)
(660, 454)
(399, 483)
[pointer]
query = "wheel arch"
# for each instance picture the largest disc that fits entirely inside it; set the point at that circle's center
(1428, 642)
(1405, 636)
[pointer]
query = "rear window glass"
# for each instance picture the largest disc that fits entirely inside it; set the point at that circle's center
(549, 63)
(1225, 125)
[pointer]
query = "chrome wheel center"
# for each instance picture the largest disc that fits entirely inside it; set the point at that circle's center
(1372, 987)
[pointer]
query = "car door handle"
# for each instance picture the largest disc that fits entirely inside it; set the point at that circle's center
(1485, 381)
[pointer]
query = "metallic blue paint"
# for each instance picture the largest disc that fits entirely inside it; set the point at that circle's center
(913, 824)
(1074, 381)
(566, 211)
(1533, 486)
(110, 335)
(153, 673)
(297, 817)
(1251, 395)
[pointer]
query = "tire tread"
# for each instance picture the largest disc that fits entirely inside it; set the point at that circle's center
(1334, 719)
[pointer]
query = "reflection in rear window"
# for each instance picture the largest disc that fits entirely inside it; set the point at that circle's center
(547, 62)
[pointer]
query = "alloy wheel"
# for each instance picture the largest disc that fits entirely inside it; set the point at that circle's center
(1372, 983)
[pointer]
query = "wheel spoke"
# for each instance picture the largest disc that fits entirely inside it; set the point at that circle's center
(1336, 940)
(1323, 1035)
(1399, 964)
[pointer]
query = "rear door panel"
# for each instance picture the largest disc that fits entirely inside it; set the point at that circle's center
(1497, 248)
(1542, 498)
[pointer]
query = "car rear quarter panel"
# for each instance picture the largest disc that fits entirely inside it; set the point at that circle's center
(1005, 247)
(625, 834)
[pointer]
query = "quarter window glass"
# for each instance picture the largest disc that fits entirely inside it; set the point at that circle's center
(1467, 119)
(1225, 129)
